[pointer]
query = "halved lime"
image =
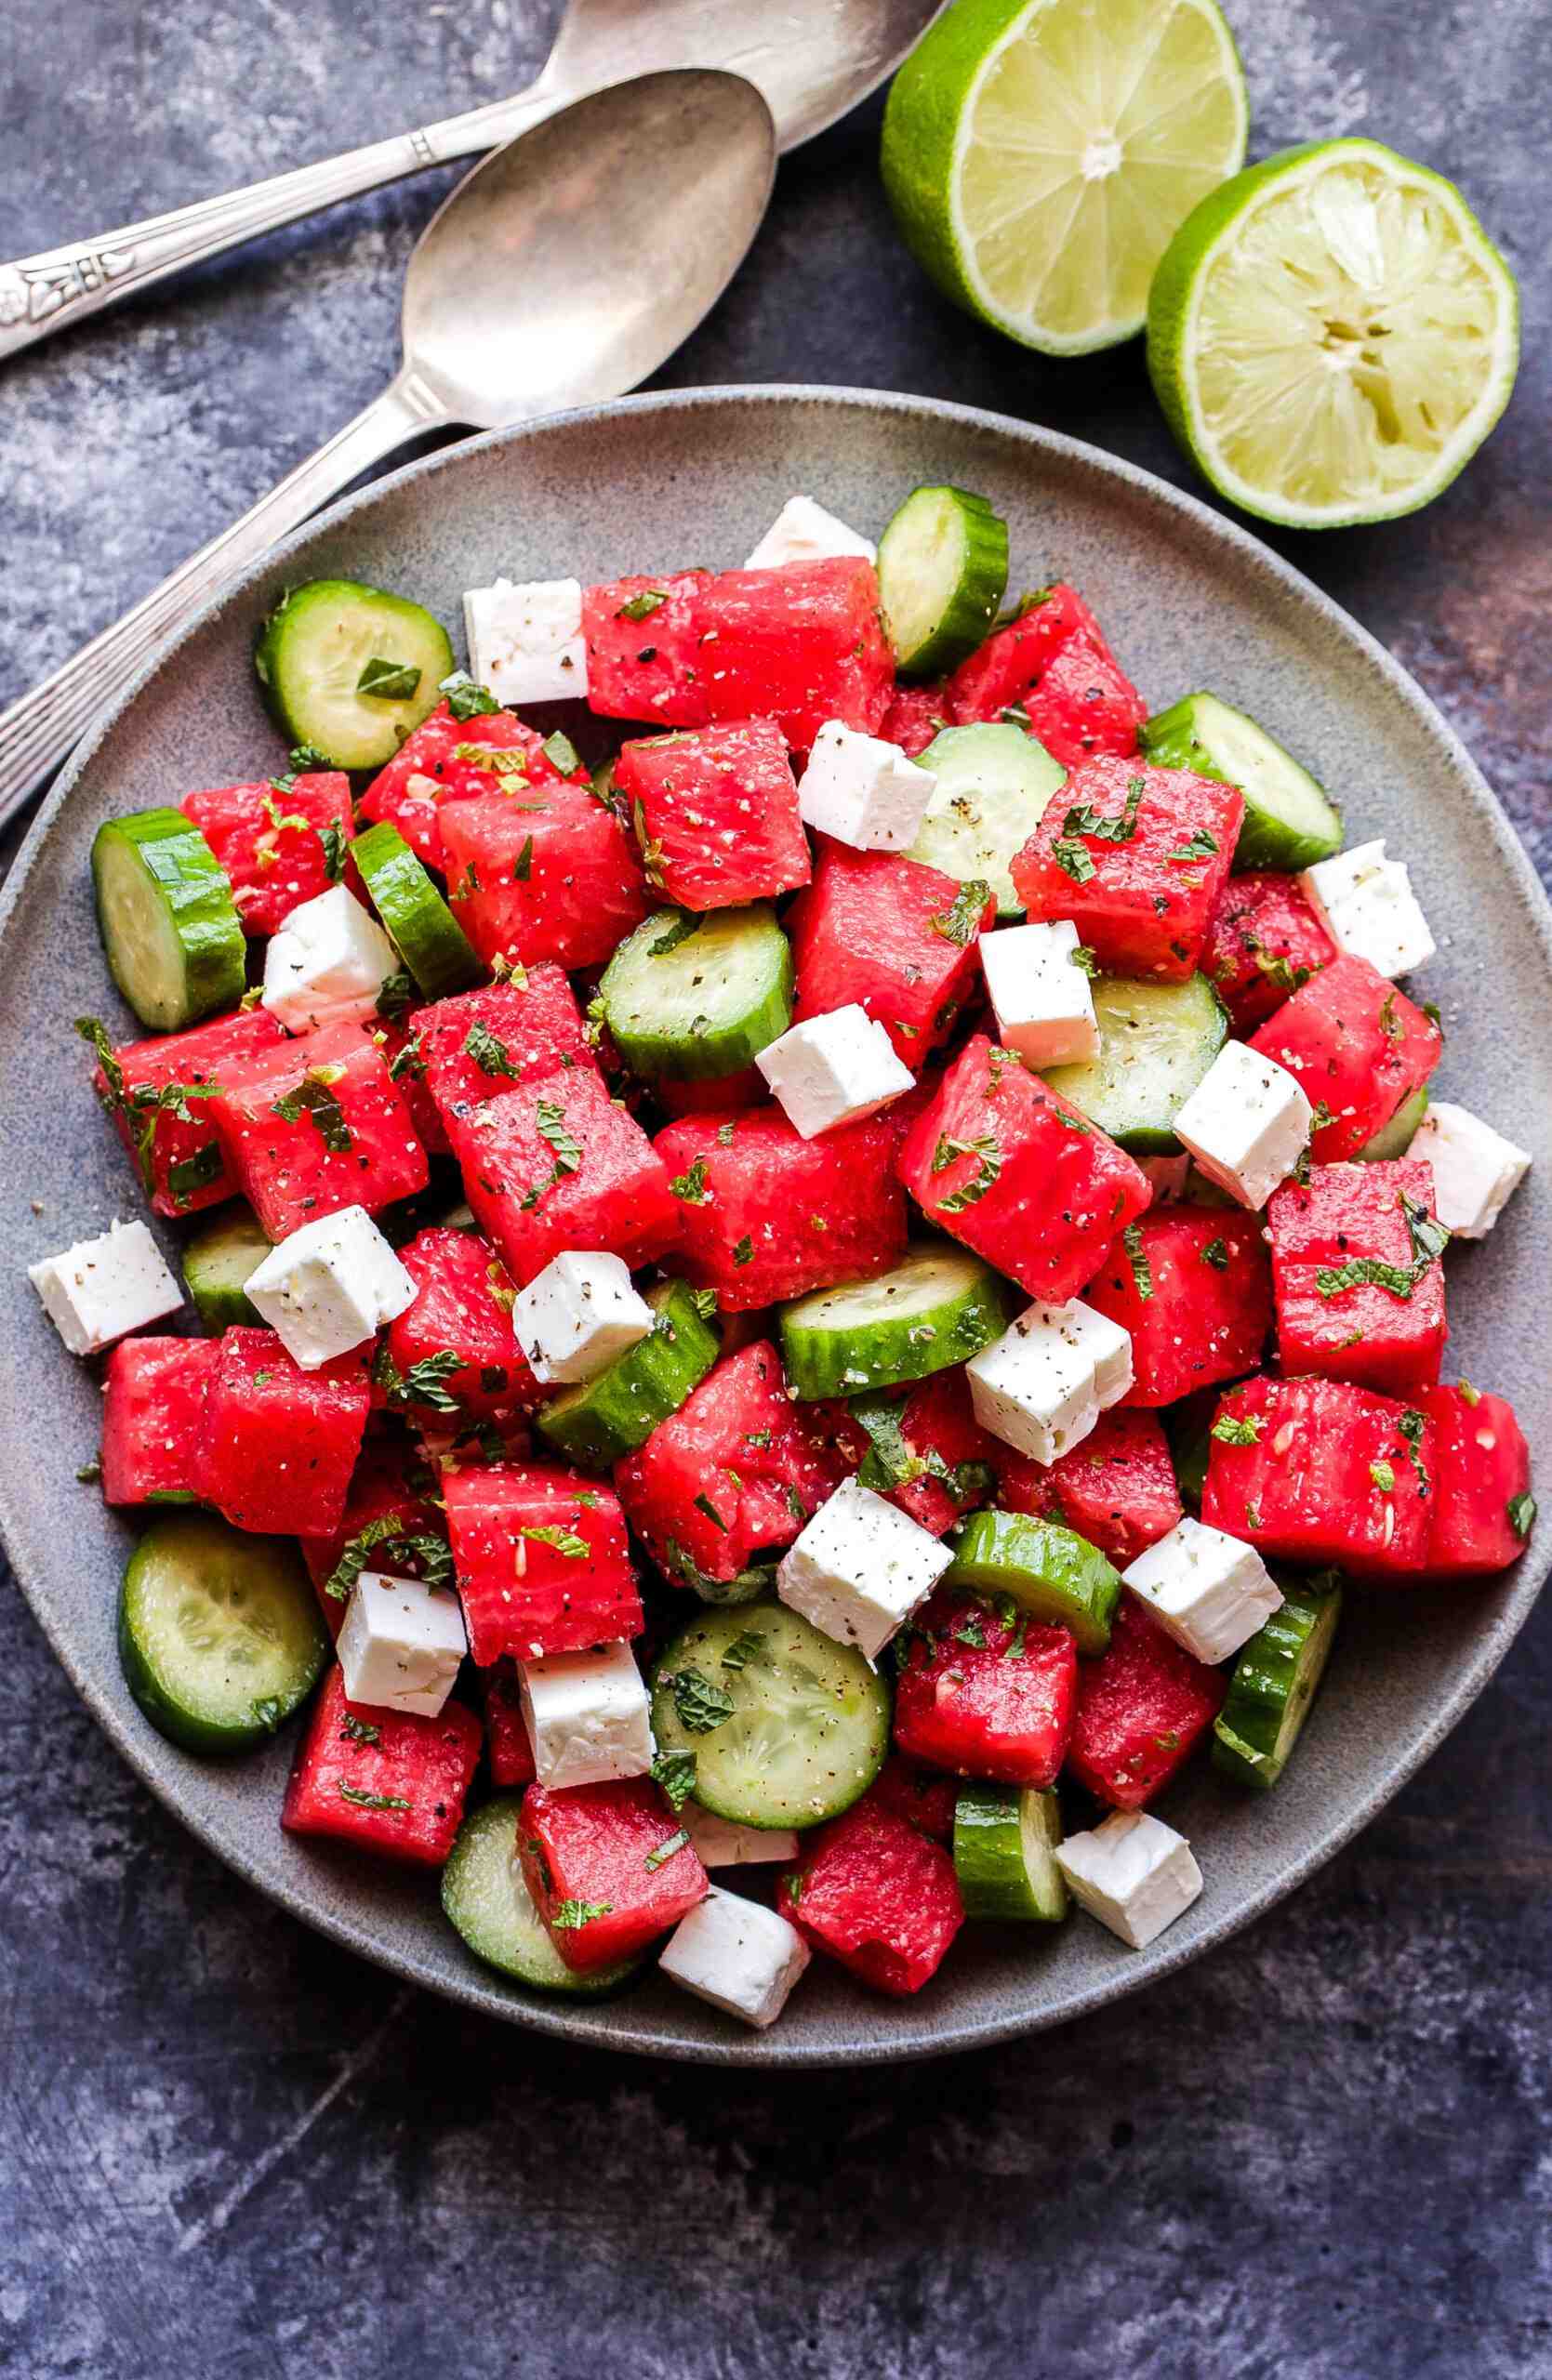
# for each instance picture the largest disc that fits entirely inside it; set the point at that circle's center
(1039, 155)
(1333, 335)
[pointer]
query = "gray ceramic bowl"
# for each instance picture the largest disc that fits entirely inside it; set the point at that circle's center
(1186, 598)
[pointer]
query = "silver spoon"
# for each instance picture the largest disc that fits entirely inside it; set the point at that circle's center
(812, 58)
(539, 284)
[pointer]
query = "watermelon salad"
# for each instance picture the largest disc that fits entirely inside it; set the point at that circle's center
(820, 1298)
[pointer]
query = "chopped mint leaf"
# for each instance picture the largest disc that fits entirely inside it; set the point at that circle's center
(700, 1704)
(388, 681)
(675, 1772)
(465, 699)
(489, 1051)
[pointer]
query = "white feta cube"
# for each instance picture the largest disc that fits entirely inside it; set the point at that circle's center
(101, 1289)
(526, 642)
(833, 1069)
(862, 791)
(1206, 1590)
(719, 1844)
(1133, 1872)
(589, 1716)
(1476, 1170)
(577, 1315)
(804, 531)
(1166, 1175)
(1367, 905)
(1246, 1124)
(741, 1957)
(328, 963)
(330, 1287)
(401, 1643)
(859, 1568)
(1043, 1000)
(1044, 1383)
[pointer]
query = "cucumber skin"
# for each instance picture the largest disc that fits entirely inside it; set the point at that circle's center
(988, 1856)
(268, 664)
(441, 961)
(1136, 1139)
(710, 1056)
(643, 1387)
(1394, 1139)
(204, 915)
(170, 1718)
(1168, 741)
(968, 618)
(220, 1304)
(1049, 1570)
(464, 1871)
(816, 1366)
(1266, 1675)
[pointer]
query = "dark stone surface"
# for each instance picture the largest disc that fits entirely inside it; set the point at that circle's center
(1321, 2154)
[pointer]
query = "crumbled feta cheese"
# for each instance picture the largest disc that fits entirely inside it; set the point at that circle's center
(1044, 1383)
(1042, 1000)
(1206, 1590)
(1366, 904)
(526, 642)
(101, 1289)
(1133, 1872)
(588, 1715)
(804, 531)
(742, 1958)
(1246, 1124)
(859, 1568)
(862, 791)
(832, 1070)
(719, 1844)
(401, 1643)
(328, 963)
(577, 1315)
(1476, 1170)
(330, 1287)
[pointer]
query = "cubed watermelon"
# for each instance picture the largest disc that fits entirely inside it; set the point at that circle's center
(1053, 671)
(478, 1044)
(153, 1419)
(609, 1867)
(171, 1137)
(1264, 941)
(279, 1444)
(1316, 1471)
(463, 1310)
(877, 1894)
(390, 1500)
(1481, 1508)
(1192, 1287)
(891, 936)
(715, 813)
(279, 846)
(551, 875)
(1359, 1290)
(747, 1088)
(1136, 857)
(542, 1561)
(915, 715)
(644, 642)
(396, 1037)
(1117, 1488)
(389, 1782)
(1006, 1164)
(315, 1124)
(984, 1692)
(1143, 1707)
(937, 1427)
(924, 1797)
(765, 1214)
(449, 759)
(509, 1752)
(1359, 1048)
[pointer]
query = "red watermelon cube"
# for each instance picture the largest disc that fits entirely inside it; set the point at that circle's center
(551, 875)
(938, 1430)
(557, 1165)
(1483, 1507)
(984, 1692)
(924, 1797)
(463, 1309)
(1143, 1707)
(388, 1485)
(278, 846)
(1357, 1047)
(915, 715)
(1191, 1285)
(1317, 1471)
(891, 936)
(719, 1097)
(396, 1037)
(172, 1138)
(609, 1867)
(715, 812)
(1264, 941)
(508, 1753)
(1137, 857)
(1359, 1295)
(448, 759)
(1005, 1164)
(279, 1445)
(481, 1043)
(542, 1561)
(643, 643)
(315, 1124)
(1117, 1488)
(765, 1214)
(876, 1892)
(1052, 672)
(389, 1782)
(153, 1419)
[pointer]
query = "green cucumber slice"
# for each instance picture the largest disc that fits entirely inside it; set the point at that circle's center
(943, 572)
(1395, 1138)
(1156, 1042)
(317, 654)
(788, 1727)
(1049, 1572)
(1274, 1682)
(698, 998)
(611, 1415)
(1291, 820)
(216, 1264)
(484, 1894)
(940, 1305)
(419, 922)
(994, 785)
(168, 922)
(219, 1634)
(1188, 1428)
(1005, 1839)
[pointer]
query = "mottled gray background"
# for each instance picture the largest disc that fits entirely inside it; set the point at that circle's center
(1324, 2152)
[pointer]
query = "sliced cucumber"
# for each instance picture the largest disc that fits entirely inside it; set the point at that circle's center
(943, 572)
(696, 997)
(611, 1415)
(1005, 1839)
(219, 1633)
(484, 1894)
(788, 1727)
(1395, 1138)
(1156, 1042)
(419, 924)
(216, 1264)
(993, 784)
(1291, 821)
(168, 922)
(939, 1306)
(1274, 1682)
(318, 654)
(1188, 1427)
(1050, 1571)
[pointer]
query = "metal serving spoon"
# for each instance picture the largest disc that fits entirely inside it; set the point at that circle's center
(537, 285)
(812, 58)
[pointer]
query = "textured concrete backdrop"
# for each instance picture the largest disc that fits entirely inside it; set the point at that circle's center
(1324, 2152)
